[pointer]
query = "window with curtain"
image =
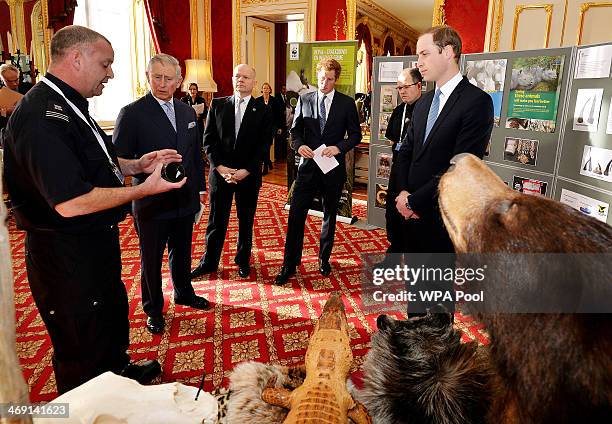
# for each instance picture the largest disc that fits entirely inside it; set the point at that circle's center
(119, 21)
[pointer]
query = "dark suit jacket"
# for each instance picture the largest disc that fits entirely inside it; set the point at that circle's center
(394, 129)
(198, 101)
(245, 151)
(343, 119)
(463, 125)
(142, 127)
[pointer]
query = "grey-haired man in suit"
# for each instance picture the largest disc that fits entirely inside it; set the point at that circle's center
(154, 122)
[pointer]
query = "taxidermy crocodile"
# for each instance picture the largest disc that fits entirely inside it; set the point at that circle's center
(323, 398)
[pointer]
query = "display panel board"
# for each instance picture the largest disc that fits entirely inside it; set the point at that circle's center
(586, 151)
(527, 88)
(553, 124)
(384, 99)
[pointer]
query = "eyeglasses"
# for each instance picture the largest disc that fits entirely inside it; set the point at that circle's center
(399, 87)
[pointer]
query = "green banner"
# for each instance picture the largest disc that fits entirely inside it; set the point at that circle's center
(533, 104)
(534, 93)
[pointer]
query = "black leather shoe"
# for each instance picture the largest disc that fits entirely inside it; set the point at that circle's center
(156, 324)
(143, 373)
(198, 302)
(202, 269)
(284, 275)
(324, 267)
(244, 270)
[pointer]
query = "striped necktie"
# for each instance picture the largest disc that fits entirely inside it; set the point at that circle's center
(170, 113)
(322, 114)
(433, 113)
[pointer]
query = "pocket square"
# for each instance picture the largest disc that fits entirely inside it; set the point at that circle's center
(191, 125)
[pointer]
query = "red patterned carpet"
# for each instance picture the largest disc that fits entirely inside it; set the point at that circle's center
(251, 319)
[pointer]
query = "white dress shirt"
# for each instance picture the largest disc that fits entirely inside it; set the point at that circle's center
(328, 102)
(243, 106)
(447, 89)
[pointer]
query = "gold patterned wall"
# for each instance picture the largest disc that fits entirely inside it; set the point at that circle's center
(383, 24)
(522, 25)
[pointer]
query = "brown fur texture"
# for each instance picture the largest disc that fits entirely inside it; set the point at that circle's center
(550, 368)
(418, 371)
(247, 382)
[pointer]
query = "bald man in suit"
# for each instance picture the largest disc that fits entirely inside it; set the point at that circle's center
(236, 138)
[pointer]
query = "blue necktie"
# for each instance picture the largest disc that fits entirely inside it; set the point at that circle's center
(433, 113)
(170, 113)
(322, 114)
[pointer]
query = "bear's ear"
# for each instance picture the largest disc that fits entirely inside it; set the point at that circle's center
(382, 322)
(507, 211)
(441, 317)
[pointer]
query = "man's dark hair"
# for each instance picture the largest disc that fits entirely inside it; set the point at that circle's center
(71, 36)
(416, 75)
(445, 35)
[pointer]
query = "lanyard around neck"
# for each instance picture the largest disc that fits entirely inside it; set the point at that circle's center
(80, 115)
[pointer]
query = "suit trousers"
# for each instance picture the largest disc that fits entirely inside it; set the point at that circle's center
(76, 283)
(307, 185)
(220, 197)
(428, 237)
(154, 234)
(394, 221)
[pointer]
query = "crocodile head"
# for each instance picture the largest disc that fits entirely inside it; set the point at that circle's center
(329, 352)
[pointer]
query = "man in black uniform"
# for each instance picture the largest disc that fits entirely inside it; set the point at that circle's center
(66, 185)
(409, 88)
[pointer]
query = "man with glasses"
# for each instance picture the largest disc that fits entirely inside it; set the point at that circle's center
(409, 84)
(9, 76)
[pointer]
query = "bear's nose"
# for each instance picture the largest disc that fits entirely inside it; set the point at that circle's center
(455, 159)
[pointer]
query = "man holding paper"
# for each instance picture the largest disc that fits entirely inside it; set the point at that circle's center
(325, 129)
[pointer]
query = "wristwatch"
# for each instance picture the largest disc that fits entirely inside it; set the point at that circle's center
(408, 205)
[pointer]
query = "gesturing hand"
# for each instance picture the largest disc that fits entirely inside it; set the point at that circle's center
(149, 161)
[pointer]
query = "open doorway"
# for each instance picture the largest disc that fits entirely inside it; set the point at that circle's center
(266, 38)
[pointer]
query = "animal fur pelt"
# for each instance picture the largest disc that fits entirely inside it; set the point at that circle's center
(418, 371)
(247, 381)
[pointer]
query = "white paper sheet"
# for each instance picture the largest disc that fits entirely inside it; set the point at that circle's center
(388, 71)
(609, 125)
(199, 108)
(586, 112)
(594, 62)
(587, 205)
(326, 164)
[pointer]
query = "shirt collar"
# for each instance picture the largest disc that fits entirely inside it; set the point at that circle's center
(451, 84)
(70, 93)
(163, 102)
(329, 95)
(246, 99)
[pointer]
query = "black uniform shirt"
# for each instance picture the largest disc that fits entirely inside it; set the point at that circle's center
(51, 156)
